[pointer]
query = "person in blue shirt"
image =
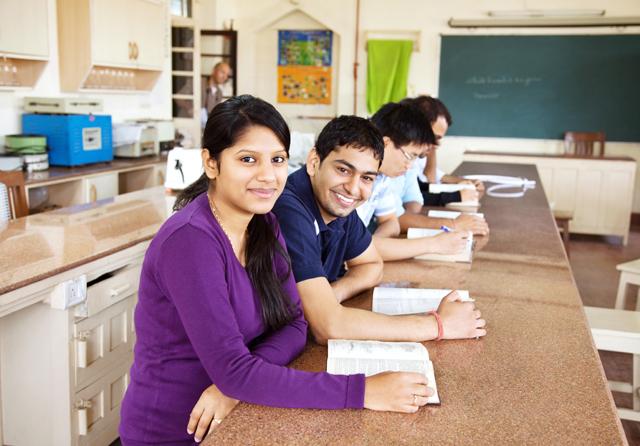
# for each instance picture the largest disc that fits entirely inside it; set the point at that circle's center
(405, 138)
(424, 172)
(322, 233)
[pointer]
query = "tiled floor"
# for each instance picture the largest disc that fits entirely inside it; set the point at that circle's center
(593, 260)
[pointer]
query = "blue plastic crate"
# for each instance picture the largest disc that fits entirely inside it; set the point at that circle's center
(73, 140)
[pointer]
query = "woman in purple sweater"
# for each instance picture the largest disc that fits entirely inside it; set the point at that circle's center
(218, 312)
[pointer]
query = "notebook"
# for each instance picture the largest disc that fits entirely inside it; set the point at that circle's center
(348, 357)
(465, 256)
(394, 301)
(451, 214)
(438, 188)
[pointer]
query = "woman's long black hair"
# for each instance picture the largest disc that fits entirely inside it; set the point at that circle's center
(227, 122)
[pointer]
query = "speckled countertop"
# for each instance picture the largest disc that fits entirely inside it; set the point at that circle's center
(42, 245)
(535, 379)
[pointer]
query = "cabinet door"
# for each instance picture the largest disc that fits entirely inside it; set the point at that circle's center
(150, 33)
(97, 408)
(99, 187)
(24, 28)
(103, 340)
(111, 33)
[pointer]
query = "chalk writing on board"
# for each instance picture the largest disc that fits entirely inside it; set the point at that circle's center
(503, 80)
(486, 95)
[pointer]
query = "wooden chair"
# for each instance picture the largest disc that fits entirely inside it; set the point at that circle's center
(583, 143)
(17, 193)
(562, 221)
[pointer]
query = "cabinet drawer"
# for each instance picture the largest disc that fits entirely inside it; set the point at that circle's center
(96, 409)
(122, 284)
(102, 341)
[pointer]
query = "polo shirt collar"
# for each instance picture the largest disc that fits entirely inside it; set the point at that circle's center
(301, 184)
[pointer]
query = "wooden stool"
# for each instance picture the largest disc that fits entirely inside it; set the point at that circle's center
(619, 331)
(629, 275)
(562, 221)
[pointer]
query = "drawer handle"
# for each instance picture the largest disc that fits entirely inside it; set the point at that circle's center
(81, 346)
(82, 407)
(117, 291)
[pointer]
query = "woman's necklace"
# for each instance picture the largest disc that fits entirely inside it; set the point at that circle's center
(214, 210)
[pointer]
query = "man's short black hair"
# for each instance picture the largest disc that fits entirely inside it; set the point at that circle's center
(403, 124)
(350, 131)
(433, 108)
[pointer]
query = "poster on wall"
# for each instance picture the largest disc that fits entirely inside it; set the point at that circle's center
(304, 66)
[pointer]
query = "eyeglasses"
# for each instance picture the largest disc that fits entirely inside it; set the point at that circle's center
(408, 156)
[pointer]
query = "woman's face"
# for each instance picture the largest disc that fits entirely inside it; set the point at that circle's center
(251, 174)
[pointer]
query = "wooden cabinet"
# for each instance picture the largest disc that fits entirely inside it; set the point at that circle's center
(111, 44)
(598, 191)
(23, 55)
(69, 368)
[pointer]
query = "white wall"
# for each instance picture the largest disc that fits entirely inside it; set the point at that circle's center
(155, 104)
(430, 18)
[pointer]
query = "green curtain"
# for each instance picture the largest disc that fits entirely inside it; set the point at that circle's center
(387, 71)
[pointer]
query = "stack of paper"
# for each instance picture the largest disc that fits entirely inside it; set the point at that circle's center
(410, 300)
(438, 188)
(348, 357)
(465, 256)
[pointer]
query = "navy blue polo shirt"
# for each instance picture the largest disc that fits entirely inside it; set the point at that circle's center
(316, 249)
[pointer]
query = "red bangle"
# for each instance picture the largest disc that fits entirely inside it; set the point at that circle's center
(439, 321)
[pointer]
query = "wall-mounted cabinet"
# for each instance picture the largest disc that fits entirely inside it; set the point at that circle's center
(23, 55)
(111, 44)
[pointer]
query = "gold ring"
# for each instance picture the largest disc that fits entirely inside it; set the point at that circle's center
(217, 420)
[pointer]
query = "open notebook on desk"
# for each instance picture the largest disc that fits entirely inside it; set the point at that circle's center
(410, 300)
(464, 257)
(347, 357)
(451, 214)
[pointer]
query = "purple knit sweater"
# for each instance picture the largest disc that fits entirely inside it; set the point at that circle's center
(198, 321)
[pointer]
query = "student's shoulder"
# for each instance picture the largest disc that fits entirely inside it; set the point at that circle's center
(190, 225)
(290, 206)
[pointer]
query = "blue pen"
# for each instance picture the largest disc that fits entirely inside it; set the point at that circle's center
(446, 228)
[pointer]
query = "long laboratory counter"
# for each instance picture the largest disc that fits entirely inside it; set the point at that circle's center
(534, 379)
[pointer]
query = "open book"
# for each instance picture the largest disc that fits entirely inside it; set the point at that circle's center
(464, 256)
(451, 214)
(410, 300)
(438, 188)
(464, 206)
(372, 357)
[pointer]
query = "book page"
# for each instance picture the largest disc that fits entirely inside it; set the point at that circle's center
(410, 300)
(348, 357)
(465, 256)
(451, 214)
(438, 188)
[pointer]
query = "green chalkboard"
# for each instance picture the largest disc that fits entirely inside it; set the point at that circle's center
(542, 86)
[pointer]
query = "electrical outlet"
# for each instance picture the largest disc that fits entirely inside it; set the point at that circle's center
(69, 293)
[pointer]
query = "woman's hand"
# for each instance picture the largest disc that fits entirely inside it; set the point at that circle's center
(396, 392)
(460, 320)
(212, 407)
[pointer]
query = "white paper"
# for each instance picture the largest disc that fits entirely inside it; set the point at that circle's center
(440, 187)
(451, 214)
(347, 357)
(395, 301)
(465, 256)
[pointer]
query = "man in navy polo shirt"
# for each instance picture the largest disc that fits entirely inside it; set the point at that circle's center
(322, 232)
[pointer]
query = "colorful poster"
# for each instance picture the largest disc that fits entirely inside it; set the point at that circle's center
(304, 66)
(304, 85)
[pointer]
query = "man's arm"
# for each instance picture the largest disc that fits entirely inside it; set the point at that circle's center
(328, 319)
(388, 226)
(365, 272)
(464, 222)
(431, 167)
